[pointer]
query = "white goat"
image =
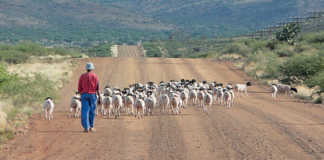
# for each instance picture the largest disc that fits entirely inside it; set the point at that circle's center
(283, 88)
(140, 108)
(215, 89)
(164, 102)
(107, 106)
(117, 102)
(220, 95)
(208, 101)
(227, 99)
(108, 92)
(193, 96)
(184, 97)
(129, 104)
(48, 108)
(201, 96)
(232, 95)
(176, 103)
(150, 102)
(75, 106)
(274, 91)
(242, 88)
(100, 97)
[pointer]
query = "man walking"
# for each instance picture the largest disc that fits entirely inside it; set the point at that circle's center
(88, 87)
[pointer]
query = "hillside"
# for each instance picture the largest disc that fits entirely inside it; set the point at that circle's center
(88, 22)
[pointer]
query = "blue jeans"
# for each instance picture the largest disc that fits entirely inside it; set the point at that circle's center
(88, 110)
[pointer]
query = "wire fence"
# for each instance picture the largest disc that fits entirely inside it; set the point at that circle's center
(310, 22)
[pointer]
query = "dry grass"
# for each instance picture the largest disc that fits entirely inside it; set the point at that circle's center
(230, 57)
(13, 117)
(304, 91)
(57, 69)
(5, 131)
(3, 120)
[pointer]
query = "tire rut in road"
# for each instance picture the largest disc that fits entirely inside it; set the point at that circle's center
(167, 139)
(256, 138)
(135, 133)
(291, 132)
(310, 143)
(220, 125)
(288, 103)
(200, 142)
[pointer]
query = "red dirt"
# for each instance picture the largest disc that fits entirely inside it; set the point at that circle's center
(255, 128)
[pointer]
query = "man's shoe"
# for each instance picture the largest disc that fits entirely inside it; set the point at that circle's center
(92, 130)
(85, 130)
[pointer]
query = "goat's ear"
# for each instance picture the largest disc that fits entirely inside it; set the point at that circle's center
(48, 98)
(294, 89)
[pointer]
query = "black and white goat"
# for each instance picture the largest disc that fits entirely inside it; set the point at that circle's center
(48, 108)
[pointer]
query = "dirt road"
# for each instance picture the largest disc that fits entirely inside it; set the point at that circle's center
(255, 128)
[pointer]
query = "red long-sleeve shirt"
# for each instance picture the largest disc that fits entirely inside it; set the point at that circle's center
(88, 83)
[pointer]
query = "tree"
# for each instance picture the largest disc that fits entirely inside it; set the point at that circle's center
(288, 33)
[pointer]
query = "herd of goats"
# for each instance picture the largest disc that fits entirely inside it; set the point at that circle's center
(171, 97)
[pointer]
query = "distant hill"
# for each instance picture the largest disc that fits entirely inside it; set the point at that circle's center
(87, 22)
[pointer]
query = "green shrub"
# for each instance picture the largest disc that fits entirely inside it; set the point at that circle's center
(25, 90)
(4, 75)
(272, 45)
(302, 66)
(31, 48)
(283, 49)
(20, 52)
(314, 37)
(202, 55)
(272, 64)
(233, 48)
(302, 47)
(12, 114)
(318, 100)
(6, 135)
(303, 97)
(284, 53)
(176, 55)
(152, 50)
(236, 48)
(253, 57)
(317, 80)
(100, 51)
(13, 56)
(257, 45)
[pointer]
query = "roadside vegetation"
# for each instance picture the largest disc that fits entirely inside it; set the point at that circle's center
(22, 94)
(183, 47)
(300, 64)
(21, 52)
(102, 50)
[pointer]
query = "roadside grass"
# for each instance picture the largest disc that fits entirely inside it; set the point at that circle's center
(23, 92)
(6, 135)
(26, 94)
(27, 90)
(21, 52)
(299, 64)
(304, 98)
